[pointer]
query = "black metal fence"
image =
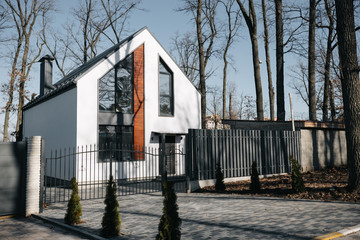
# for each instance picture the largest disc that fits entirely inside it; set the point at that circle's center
(235, 150)
(135, 171)
(138, 170)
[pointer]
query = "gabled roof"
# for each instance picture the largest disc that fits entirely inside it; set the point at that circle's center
(70, 80)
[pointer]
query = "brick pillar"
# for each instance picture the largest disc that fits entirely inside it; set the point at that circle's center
(32, 175)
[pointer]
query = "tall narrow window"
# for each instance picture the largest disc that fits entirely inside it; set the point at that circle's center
(166, 98)
(116, 88)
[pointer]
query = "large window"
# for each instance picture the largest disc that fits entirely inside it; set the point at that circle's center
(166, 98)
(115, 142)
(116, 88)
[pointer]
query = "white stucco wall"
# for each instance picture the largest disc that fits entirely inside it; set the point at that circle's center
(186, 97)
(187, 111)
(54, 120)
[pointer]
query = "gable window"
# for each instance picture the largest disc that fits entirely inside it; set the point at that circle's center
(166, 96)
(116, 88)
(115, 142)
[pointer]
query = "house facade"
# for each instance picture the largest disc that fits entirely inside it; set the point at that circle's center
(133, 93)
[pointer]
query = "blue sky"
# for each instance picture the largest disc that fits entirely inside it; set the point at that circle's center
(162, 19)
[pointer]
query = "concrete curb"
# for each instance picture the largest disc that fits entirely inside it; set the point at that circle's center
(71, 228)
(343, 232)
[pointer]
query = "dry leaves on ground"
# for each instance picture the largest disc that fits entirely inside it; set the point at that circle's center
(327, 185)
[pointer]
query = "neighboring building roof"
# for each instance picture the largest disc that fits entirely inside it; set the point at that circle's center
(69, 80)
(280, 125)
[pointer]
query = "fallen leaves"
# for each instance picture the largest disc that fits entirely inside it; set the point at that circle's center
(326, 185)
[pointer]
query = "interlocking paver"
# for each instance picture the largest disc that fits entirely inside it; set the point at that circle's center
(30, 228)
(216, 216)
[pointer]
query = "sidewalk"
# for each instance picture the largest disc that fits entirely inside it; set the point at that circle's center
(213, 216)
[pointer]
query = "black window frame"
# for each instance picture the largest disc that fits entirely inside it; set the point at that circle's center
(114, 108)
(170, 96)
(116, 149)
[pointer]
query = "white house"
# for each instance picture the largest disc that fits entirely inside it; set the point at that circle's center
(132, 93)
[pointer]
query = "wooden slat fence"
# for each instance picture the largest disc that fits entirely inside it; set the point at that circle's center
(236, 150)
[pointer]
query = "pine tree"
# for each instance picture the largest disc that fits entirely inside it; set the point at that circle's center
(219, 185)
(111, 221)
(296, 177)
(74, 211)
(170, 222)
(255, 181)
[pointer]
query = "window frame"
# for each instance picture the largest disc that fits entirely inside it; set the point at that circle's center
(112, 151)
(115, 93)
(171, 88)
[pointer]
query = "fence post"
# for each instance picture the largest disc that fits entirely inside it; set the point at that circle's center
(33, 175)
(42, 175)
(163, 163)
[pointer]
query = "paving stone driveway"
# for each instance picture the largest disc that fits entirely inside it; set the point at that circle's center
(216, 216)
(30, 228)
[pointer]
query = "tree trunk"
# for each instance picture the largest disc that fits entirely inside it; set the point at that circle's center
(230, 106)
(22, 81)
(224, 81)
(351, 87)
(325, 108)
(280, 95)
(251, 23)
(256, 64)
(201, 64)
(327, 63)
(332, 101)
(311, 62)
(268, 65)
(11, 89)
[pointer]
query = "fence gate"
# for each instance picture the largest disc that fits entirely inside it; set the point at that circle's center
(135, 171)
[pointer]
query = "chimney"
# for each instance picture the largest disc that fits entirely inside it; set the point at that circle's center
(46, 74)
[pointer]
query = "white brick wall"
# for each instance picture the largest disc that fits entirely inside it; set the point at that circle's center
(33, 166)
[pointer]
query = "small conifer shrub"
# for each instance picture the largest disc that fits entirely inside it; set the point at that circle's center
(111, 221)
(170, 222)
(255, 181)
(73, 212)
(296, 177)
(219, 185)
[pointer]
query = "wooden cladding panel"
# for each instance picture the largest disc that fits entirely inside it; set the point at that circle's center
(139, 124)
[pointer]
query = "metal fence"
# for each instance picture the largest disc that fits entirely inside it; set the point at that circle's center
(134, 170)
(235, 150)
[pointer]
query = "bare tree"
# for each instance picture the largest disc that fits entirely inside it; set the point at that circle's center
(10, 87)
(268, 64)
(206, 32)
(24, 15)
(186, 49)
(249, 108)
(93, 22)
(330, 8)
(117, 13)
(232, 27)
(251, 22)
(299, 83)
(311, 61)
(351, 87)
(280, 97)
(233, 101)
